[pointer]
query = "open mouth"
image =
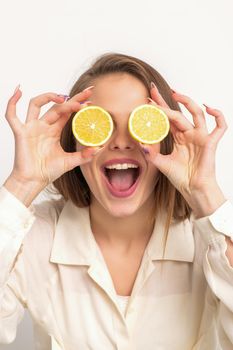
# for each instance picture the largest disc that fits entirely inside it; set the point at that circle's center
(121, 177)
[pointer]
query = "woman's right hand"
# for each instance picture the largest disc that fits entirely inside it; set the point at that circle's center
(39, 157)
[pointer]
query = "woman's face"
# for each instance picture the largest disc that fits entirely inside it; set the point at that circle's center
(121, 192)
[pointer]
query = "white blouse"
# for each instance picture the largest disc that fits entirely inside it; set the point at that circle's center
(123, 302)
(51, 264)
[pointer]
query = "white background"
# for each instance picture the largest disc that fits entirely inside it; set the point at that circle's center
(46, 44)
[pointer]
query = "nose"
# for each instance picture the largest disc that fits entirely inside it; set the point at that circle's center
(121, 139)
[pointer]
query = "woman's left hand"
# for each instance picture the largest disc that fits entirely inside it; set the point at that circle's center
(191, 165)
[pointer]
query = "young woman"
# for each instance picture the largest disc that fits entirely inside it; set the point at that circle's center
(135, 258)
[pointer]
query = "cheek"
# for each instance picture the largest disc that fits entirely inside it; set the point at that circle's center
(89, 175)
(155, 148)
(153, 175)
(153, 172)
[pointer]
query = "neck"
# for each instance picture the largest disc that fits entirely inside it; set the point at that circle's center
(123, 232)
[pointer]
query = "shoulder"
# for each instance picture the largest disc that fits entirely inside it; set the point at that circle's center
(39, 239)
(48, 210)
(38, 242)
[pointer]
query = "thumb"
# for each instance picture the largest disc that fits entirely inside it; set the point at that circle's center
(75, 159)
(162, 162)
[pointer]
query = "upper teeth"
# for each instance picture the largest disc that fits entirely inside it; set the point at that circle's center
(121, 166)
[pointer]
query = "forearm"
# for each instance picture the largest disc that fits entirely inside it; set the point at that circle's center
(204, 202)
(25, 191)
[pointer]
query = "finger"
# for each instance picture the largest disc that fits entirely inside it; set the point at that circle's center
(75, 159)
(163, 163)
(85, 103)
(61, 112)
(10, 114)
(195, 110)
(144, 148)
(156, 96)
(152, 102)
(173, 128)
(37, 102)
(61, 122)
(72, 105)
(159, 160)
(177, 119)
(221, 125)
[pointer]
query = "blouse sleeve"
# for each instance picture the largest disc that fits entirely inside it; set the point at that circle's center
(15, 222)
(217, 269)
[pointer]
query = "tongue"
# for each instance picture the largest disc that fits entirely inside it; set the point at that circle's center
(121, 180)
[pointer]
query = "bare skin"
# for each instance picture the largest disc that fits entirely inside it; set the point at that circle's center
(39, 160)
(39, 157)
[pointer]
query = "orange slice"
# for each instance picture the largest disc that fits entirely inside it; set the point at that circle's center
(92, 126)
(148, 124)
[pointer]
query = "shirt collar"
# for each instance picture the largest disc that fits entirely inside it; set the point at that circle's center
(180, 241)
(74, 242)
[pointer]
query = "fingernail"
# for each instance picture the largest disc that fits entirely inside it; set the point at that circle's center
(17, 89)
(144, 149)
(82, 103)
(89, 88)
(97, 150)
(206, 106)
(150, 99)
(66, 97)
(153, 86)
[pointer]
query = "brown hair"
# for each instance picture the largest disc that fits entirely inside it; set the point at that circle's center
(72, 184)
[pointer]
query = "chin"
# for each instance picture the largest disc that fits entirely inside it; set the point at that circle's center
(122, 211)
(122, 208)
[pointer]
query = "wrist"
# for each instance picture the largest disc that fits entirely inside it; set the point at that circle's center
(25, 191)
(204, 202)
